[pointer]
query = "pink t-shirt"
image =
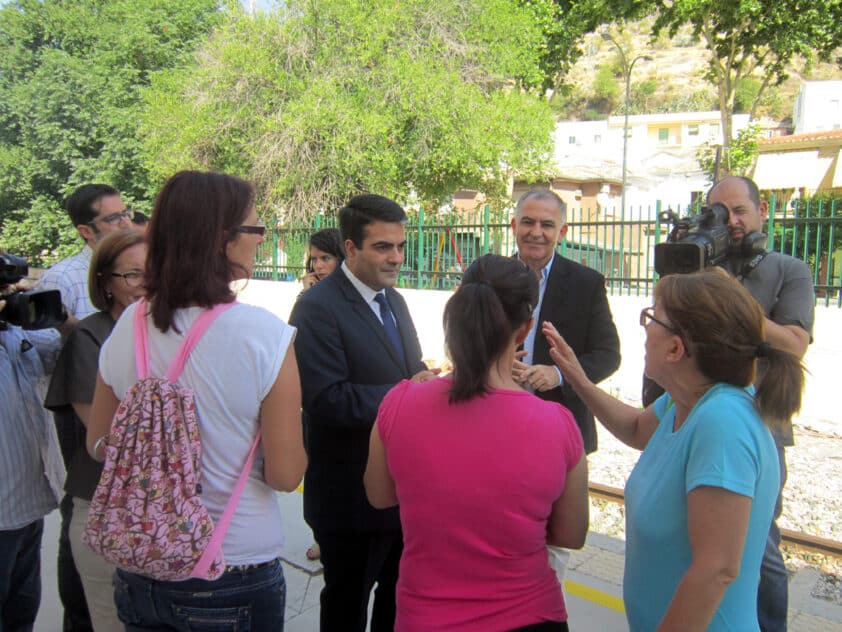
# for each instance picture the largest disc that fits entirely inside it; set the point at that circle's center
(476, 482)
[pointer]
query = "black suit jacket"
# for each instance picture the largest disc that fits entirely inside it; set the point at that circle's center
(576, 303)
(347, 366)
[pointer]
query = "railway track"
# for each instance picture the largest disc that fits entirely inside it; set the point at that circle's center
(799, 540)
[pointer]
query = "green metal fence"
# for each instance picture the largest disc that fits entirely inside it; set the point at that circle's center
(619, 245)
(811, 230)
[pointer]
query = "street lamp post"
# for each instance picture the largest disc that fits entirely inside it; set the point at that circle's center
(627, 71)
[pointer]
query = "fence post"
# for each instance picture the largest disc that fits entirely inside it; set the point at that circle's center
(486, 235)
(317, 224)
(275, 275)
(831, 255)
(770, 222)
(420, 258)
(622, 246)
(658, 207)
(571, 219)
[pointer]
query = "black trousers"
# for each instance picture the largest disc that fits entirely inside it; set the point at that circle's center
(353, 563)
(76, 617)
(546, 626)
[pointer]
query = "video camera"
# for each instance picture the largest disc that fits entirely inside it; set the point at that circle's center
(37, 309)
(702, 241)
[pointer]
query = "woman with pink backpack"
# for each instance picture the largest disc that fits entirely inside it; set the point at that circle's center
(224, 433)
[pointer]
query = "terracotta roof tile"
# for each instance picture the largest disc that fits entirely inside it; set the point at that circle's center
(799, 138)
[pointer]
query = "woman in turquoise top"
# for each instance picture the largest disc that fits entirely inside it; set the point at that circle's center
(700, 499)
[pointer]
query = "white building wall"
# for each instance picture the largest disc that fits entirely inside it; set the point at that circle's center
(667, 172)
(818, 107)
(589, 137)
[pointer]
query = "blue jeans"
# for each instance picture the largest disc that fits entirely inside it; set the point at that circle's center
(20, 577)
(773, 591)
(251, 599)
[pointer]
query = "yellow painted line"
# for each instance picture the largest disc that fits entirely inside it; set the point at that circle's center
(594, 596)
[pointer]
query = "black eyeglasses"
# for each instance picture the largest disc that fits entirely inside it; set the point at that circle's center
(113, 219)
(133, 278)
(259, 229)
(647, 315)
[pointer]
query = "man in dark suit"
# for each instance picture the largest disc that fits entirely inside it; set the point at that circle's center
(355, 341)
(572, 297)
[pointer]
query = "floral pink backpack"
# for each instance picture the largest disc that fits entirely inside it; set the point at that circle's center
(147, 514)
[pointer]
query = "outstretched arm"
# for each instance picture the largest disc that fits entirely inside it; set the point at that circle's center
(630, 425)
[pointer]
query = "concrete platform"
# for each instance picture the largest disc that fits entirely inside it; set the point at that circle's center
(593, 584)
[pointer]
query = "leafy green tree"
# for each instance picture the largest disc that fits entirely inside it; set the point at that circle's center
(752, 38)
(739, 157)
(70, 79)
(642, 96)
(323, 100)
(573, 20)
(746, 93)
(606, 90)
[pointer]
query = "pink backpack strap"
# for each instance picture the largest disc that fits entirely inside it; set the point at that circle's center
(194, 335)
(221, 527)
(141, 340)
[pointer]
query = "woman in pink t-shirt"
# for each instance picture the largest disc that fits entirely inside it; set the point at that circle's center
(486, 474)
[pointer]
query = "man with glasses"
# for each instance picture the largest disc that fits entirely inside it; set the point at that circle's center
(95, 210)
(783, 286)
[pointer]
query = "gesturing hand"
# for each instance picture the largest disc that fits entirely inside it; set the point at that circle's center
(563, 356)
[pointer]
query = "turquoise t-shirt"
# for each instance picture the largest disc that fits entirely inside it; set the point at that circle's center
(722, 443)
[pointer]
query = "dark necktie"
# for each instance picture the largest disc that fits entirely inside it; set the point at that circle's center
(389, 324)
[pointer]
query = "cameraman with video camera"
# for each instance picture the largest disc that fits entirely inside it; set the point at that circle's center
(727, 233)
(31, 466)
(783, 286)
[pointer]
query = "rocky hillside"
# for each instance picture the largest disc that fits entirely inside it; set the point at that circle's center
(672, 81)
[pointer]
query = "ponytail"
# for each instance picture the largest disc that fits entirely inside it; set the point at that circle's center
(476, 332)
(780, 387)
(496, 297)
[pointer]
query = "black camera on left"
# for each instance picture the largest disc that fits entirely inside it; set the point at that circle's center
(36, 309)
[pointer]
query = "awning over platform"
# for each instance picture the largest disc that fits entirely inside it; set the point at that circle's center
(792, 170)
